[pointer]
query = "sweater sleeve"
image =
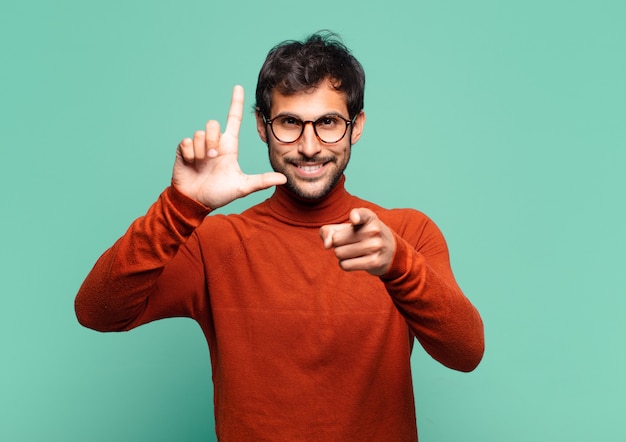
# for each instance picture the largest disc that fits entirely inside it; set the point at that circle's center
(133, 282)
(423, 288)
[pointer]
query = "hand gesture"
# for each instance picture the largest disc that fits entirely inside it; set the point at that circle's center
(364, 243)
(207, 168)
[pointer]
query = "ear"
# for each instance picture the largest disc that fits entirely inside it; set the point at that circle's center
(357, 127)
(261, 127)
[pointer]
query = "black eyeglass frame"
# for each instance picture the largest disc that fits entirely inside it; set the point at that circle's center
(349, 123)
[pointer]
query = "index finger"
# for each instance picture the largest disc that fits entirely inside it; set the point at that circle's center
(235, 114)
(328, 231)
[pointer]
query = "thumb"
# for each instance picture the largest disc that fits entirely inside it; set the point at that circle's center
(262, 181)
(360, 217)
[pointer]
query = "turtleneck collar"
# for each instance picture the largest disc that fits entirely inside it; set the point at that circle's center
(333, 208)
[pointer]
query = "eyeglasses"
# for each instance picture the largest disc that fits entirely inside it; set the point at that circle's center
(328, 129)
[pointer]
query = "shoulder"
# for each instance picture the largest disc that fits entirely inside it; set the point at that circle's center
(399, 219)
(223, 226)
(412, 225)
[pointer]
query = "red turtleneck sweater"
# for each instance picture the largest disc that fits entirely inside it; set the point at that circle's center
(300, 349)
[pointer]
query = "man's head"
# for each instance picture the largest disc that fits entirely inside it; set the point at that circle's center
(295, 66)
(317, 83)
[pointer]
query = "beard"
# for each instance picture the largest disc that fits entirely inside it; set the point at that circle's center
(310, 188)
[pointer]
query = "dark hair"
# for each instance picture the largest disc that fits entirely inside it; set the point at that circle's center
(294, 66)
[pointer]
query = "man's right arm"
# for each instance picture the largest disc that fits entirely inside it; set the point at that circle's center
(123, 290)
(126, 286)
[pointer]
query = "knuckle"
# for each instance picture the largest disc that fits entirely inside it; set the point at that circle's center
(234, 115)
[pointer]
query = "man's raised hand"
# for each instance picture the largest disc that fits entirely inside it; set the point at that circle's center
(207, 167)
(363, 243)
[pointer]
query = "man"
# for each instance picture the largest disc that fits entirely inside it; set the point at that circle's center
(311, 300)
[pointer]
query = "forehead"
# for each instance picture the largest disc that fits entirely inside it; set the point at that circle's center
(311, 103)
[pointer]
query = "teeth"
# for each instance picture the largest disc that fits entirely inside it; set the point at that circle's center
(310, 168)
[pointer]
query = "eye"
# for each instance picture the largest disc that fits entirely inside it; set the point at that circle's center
(327, 122)
(289, 122)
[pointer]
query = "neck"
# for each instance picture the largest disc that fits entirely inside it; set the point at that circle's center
(332, 208)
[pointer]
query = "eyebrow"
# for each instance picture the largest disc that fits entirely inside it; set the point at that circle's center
(328, 114)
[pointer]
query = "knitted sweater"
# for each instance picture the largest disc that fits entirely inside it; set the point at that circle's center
(300, 349)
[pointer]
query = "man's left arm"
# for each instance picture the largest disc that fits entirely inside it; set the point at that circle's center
(419, 280)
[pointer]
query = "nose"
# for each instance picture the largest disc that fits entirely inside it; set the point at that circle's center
(309, 145)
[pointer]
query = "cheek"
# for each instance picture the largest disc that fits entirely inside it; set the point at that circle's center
(275, 154)
(276, 150)
(345, 153)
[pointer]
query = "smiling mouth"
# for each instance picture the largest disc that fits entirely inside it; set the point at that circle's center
(310, 167)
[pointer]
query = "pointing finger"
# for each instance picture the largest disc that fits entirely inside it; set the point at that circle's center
(235, 113)
(327, 238)
(327, 233)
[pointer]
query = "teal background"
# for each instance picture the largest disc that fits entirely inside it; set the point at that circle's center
(505, 121)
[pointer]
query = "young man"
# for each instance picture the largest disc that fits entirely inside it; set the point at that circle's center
(310, 301)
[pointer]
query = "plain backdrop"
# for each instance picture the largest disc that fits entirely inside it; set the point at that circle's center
(505, 121)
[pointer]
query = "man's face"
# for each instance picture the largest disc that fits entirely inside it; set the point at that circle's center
(311, 166)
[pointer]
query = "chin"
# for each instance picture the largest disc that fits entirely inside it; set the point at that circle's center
(312, 190)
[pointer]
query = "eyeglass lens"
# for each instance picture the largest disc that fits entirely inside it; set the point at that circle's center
(329, 128)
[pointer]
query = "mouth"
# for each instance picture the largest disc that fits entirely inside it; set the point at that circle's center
(310, 169)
